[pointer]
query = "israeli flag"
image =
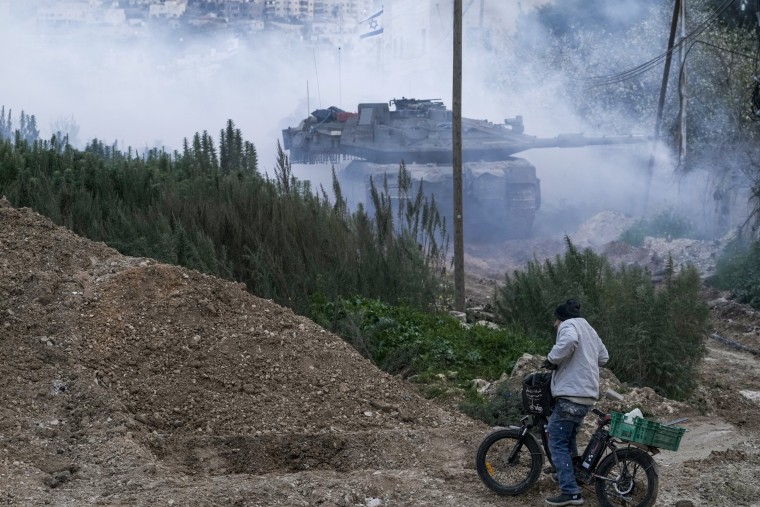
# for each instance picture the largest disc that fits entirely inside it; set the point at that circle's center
(372, 25)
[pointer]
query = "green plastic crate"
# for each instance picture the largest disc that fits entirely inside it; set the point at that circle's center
(621, 429)
(644, 431)
(661, 436)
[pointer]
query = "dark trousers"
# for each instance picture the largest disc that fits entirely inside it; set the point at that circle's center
(563, 430)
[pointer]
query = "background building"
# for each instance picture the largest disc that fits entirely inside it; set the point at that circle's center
(309, 10)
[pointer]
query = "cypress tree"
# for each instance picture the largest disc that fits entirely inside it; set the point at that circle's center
(6, 125)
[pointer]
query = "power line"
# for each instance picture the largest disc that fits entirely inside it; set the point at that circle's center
(654, 62)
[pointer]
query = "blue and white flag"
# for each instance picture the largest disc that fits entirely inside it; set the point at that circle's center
(372, 25)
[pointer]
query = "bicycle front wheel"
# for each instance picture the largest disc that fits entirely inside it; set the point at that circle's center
(507, 463)
(627, 478)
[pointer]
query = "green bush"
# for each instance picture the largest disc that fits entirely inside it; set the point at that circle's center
(635, 234)
(403, 340)
(738, 271)
(528, 298)
(655, 335)
(667, 223)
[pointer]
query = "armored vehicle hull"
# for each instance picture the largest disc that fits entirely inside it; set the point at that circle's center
(500, 198)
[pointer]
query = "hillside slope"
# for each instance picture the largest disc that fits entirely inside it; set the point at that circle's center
(129, 382)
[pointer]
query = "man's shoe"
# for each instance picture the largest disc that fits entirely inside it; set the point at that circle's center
(565, 499)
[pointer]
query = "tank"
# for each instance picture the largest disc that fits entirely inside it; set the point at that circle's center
(501, 192)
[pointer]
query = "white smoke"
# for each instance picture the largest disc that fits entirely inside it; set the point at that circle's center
(150, 90)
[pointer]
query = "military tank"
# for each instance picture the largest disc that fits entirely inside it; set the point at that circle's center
(501, 193)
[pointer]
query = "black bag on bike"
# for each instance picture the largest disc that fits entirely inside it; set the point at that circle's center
(537, 394)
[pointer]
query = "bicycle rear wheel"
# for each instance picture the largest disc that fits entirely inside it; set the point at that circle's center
(508, 464)
(627, 478)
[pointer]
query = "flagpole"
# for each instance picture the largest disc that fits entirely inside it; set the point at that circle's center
(340, 82)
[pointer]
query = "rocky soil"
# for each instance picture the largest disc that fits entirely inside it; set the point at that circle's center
(129, 382)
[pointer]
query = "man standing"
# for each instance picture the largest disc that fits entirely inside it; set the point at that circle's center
(576, 357)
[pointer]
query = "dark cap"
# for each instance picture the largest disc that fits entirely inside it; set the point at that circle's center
(570, 309)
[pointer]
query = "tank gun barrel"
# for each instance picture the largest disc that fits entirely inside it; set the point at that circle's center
(579, 140)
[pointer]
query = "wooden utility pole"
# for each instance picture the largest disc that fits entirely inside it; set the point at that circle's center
(456, 131)
(682, 90)
(661, 103)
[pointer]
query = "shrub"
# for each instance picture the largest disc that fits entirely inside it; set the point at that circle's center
(667, 223)
(738, 271)
(655, 335)
(635, 234)
(528, 298)
(210, 209)
(403, 340)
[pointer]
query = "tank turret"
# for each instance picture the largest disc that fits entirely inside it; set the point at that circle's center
(498, 187)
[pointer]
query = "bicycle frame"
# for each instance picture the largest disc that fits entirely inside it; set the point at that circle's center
(582, 476)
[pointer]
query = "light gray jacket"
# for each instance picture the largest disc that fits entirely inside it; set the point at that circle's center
(578, 354)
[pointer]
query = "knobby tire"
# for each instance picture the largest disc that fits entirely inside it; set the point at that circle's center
(629, 481)
(498, 473)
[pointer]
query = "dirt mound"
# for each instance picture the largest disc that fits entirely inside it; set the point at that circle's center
(602, 228)
(114, 364)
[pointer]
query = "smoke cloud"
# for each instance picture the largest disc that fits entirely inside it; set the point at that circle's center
(149, 88)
